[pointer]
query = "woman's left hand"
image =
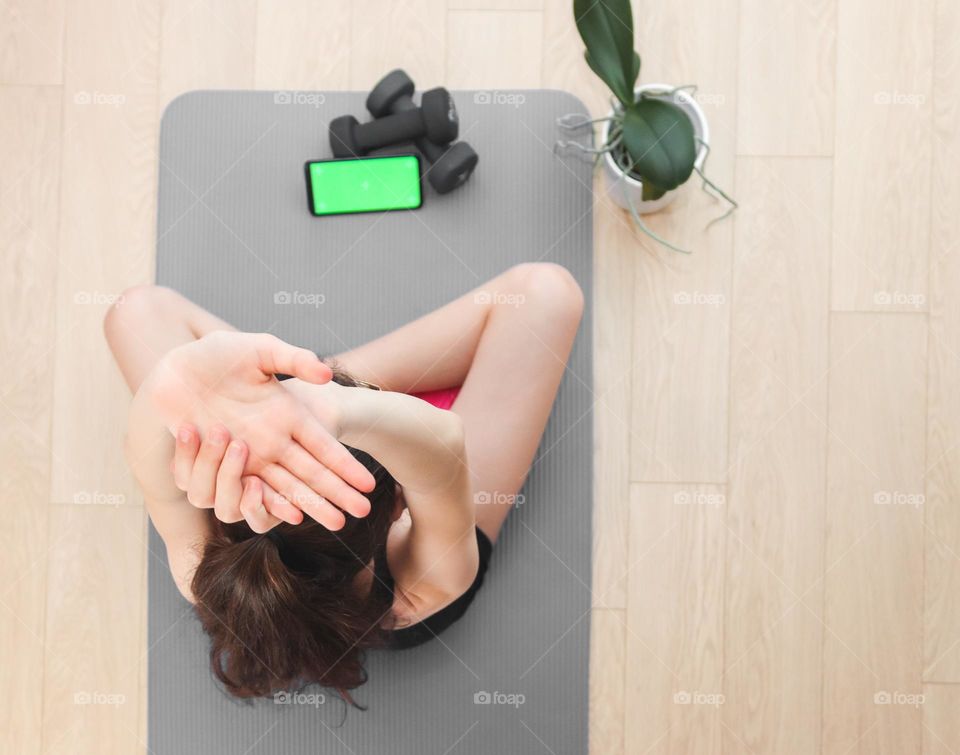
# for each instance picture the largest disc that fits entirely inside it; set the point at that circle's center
(210, 472)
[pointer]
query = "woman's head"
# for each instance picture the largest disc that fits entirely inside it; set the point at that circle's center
(282, 609)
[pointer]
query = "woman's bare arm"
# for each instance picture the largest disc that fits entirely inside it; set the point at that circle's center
(210, 477)
(149, 448)
(424, 449)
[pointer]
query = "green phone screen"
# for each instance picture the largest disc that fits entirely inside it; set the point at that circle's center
(363, 184)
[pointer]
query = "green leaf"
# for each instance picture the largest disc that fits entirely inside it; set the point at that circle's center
(659, 138)
(649, 192)
(606, 27)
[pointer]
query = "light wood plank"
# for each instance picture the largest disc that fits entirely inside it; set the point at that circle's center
(410, 35)
(563, 65)
(303, 45)
(495, 4)
(874, 533)
(785, 108)
(208, 45)
(29, 189)
(106, 231)
(608, 630)
(94, 629)
(681, 313)
(941, 719)
(942, 533)
(106, 244)
(494, 49)
(31, 41)
(881, 186)
(675, 619)
(614, 262)
(778, 408)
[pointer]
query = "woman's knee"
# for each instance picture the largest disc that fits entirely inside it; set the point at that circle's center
(549, 286)
(137, 306)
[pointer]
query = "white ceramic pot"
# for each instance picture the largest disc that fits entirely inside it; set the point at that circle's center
(622, 188)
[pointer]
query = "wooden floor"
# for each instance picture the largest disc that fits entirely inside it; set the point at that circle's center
(777, 526)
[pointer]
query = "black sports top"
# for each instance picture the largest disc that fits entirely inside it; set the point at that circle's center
(430, 627)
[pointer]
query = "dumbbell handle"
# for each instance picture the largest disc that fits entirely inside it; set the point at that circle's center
(429, 150)
(402, 126)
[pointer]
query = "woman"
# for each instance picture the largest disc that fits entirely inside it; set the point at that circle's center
(354, 505)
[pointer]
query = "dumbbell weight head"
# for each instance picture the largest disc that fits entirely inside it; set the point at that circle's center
(343, 139)
(392, 87)
(451, 165)
(440, 116)
(435, 119)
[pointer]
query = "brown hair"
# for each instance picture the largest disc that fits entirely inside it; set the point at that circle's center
(281, 609)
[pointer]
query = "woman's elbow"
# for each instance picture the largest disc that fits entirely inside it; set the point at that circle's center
(452, 436)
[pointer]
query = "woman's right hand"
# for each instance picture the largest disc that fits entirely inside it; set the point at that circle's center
(210, 472)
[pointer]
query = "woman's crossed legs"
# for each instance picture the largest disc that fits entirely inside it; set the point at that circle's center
(507, 343)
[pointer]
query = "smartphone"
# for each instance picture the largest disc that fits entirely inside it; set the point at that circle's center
(363, 184)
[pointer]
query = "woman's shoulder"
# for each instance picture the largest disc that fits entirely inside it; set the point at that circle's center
(404, 610)
(416, 595)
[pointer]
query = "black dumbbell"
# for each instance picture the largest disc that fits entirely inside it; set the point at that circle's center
(452, 164)
(435, 119)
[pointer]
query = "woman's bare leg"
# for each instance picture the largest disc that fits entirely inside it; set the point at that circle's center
(507, 344)
(436, 350)
(509, 391)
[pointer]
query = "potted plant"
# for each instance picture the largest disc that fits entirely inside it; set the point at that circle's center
(656, 136)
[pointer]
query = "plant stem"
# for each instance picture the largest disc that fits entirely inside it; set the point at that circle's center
(721, 192)
(643, 226)
(564, 121)
(707, 182)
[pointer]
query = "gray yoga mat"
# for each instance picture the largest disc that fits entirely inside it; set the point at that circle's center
(234, 235)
